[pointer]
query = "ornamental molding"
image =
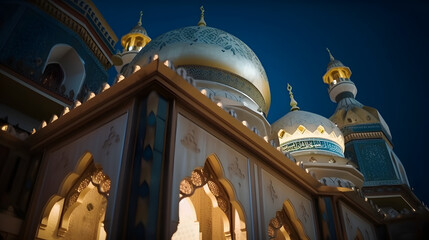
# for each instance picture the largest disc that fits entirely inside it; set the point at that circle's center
(93, 175)
(76, 27)
(364, 135)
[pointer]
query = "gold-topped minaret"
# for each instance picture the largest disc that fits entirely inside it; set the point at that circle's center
(132, 43)
(136, 39)
(202, 22)
(335, 71)
(337, 76)
(293, 103)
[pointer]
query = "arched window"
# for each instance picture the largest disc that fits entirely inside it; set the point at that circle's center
(52, 77)
(285, 225)
(139, 42)
(206, 208)
(64, 72)
(335, 75)
(78, 210)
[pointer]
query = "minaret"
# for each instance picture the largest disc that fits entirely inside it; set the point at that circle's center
(132, 43)
(337, 76)
(368, 141)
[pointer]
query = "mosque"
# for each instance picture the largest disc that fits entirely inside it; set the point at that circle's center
(178, 146)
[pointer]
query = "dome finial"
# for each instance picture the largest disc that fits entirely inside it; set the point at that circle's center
(140, 20)
(202, 22)
(293, 103)
(330, 55)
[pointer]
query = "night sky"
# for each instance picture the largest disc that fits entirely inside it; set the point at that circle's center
(384, 44)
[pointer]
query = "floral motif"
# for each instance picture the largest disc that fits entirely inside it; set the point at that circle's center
(273, 192)
(190, 142)
(113, 137)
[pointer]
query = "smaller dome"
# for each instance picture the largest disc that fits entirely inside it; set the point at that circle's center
(334, 63)
(301, 131)
(139, 29)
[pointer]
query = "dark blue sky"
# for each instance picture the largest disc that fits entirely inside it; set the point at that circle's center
(384, 44)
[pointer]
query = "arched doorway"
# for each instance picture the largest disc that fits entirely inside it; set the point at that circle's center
(207, 206)
(53, 77)
(285, 225)
(78, 210)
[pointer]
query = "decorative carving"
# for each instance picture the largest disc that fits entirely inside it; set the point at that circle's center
(364, 135)
(186, 187)
(272, 191)
(206, 35)
(281, 220)
(304, 212)
(234, 169)
(92, 175)
(201, 177)
(310, 144)
(55, 12)
(113, 137)
(189, 141)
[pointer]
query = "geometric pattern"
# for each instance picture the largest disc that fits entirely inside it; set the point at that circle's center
(146, 171)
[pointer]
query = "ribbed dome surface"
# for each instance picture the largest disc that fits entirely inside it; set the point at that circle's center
(138, 29)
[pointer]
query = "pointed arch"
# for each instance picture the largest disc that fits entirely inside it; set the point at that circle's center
(286, 225)
(207, 191)
(82, 191)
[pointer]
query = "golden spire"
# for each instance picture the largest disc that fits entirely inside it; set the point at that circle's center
(330, 55)
(202, 22)
(293, 103)
(140, 20)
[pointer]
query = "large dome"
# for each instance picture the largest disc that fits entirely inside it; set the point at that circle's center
(301, 131)
(211, 54)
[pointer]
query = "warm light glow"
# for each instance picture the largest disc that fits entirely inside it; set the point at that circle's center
(219, 104)
(155, 57)
(54, 118)
(245, 123)
(77, 104)
(65, 111)
(91, 95)
(120, 78)
(4, 127)
(102, 233)
(167, 63)
(136, 68)
(204, 92)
